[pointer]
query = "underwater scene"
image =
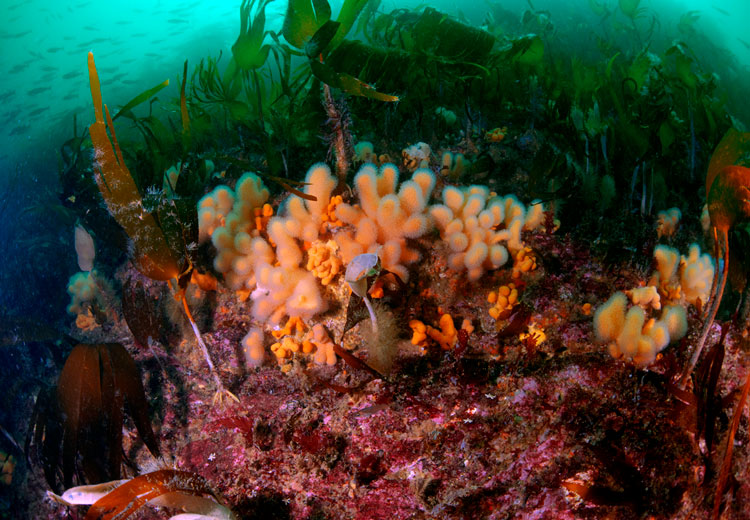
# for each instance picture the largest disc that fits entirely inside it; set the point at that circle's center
(368, 259)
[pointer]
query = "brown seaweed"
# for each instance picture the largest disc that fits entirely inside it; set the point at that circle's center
(153, 255)
(726, 464)
(167, 487)
(707, 378)
(77, 428)
(140, 313)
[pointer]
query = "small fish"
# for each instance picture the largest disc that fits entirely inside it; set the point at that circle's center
(16, 35)
(52, 50)
(12, 114)
(38, 90)
(48, 68)
(71, 75)
(176, 20)
(18, 68)
(743, 42)
(722, 11)
(71, 96)
(20, 129)
(37, 111)
(90, 28)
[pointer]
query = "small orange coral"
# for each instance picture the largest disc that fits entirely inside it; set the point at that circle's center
(504, 299)
(323, 261)
(524, 262)
(419, 333)
(296, 338)
(262, 216)
(496, 134)
(86, 321)
(328, 217)
(446, 336)
(293, 324)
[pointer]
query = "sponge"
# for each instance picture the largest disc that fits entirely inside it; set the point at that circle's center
(290, 291)
(83, 290)
(252, 347)
(696, 275)
(634, 336)
(609, 319)
(385, 220)
(481, 228)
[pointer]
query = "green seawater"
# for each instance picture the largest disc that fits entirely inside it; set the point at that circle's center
(138, 44)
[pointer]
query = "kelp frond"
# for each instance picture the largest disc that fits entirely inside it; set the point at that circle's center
(248, 51)
(120, 499)
(153, 256)
(77, 428)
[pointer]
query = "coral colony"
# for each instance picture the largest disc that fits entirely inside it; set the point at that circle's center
(473, 312)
